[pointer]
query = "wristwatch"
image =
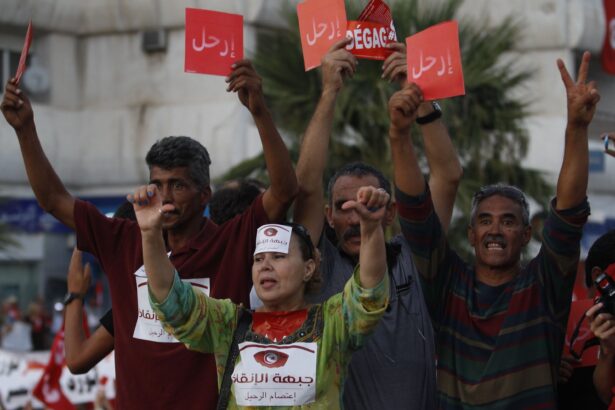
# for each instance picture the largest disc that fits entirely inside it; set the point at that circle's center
(70, 296)
(432, 116)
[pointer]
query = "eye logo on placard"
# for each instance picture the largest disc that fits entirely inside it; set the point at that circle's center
(271, 358)
(270, 232)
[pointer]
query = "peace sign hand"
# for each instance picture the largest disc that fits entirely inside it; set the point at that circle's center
(582, 96)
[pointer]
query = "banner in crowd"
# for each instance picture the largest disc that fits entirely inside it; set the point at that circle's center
(434, 61)
(21, 372)
(214, 41)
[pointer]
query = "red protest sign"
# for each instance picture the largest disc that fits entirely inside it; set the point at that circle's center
(434, 61)
(21, 67)
(321, 23)
(214, 41)
(368, 40)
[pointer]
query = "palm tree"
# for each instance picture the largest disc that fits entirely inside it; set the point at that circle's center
(486, 125)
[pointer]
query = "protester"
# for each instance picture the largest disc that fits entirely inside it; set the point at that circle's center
(39, 322)
(216, 258)
(232, 199)
(576, 382)
(396, 367)
(281, 332)
(601, 259)
(500, 326)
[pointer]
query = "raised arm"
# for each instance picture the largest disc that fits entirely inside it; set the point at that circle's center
(403, 107)
(370, 205)
(337, 64)
(82, 353)
(149, 212)
(50, 192)
(444, 168)
(277, 199)
(582, 98)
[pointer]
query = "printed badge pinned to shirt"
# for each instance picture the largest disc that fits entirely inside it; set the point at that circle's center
(21, 67)
(321, 24)
(273, 238)
(214, 41)
(372, 31)
(275, 375)
(148, 326)
(434, 61)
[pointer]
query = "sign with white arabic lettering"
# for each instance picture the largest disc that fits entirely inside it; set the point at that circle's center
(148, 326)
(214, 41)
(275, 375)
(321, 24)
(434, 61)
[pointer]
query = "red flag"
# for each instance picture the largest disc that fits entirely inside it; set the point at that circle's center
(608, 49)
(48, 389)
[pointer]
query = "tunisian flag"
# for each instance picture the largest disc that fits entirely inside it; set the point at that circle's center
(608, 49)
(48, 389)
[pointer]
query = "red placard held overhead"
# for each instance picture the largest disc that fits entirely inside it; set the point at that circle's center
(21, 67)
(434, 61)
(321, 23)
(214, 41)
(369, 40)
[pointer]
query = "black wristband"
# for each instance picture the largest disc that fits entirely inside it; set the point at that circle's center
(432, 116)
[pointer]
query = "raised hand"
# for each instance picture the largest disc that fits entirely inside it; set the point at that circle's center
(248, 85)
(370, 205)
(337, 65)
(395, 66)
(149, 209)
(78, 277)
(16, 106)
(602, 326)
(582, 96)
(403, 107)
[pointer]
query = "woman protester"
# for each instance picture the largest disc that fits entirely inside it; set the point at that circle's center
(286, 354)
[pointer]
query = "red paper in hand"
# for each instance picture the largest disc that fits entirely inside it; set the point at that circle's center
(434, 61)
(321, 23)
(21, 68)
(214, 41)
(369, 40)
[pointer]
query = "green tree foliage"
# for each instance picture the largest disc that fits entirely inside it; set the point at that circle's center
(486, 124)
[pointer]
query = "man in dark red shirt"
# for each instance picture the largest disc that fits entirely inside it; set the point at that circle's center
(216, 259)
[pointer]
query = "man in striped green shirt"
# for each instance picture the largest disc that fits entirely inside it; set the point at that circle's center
(500, 326)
